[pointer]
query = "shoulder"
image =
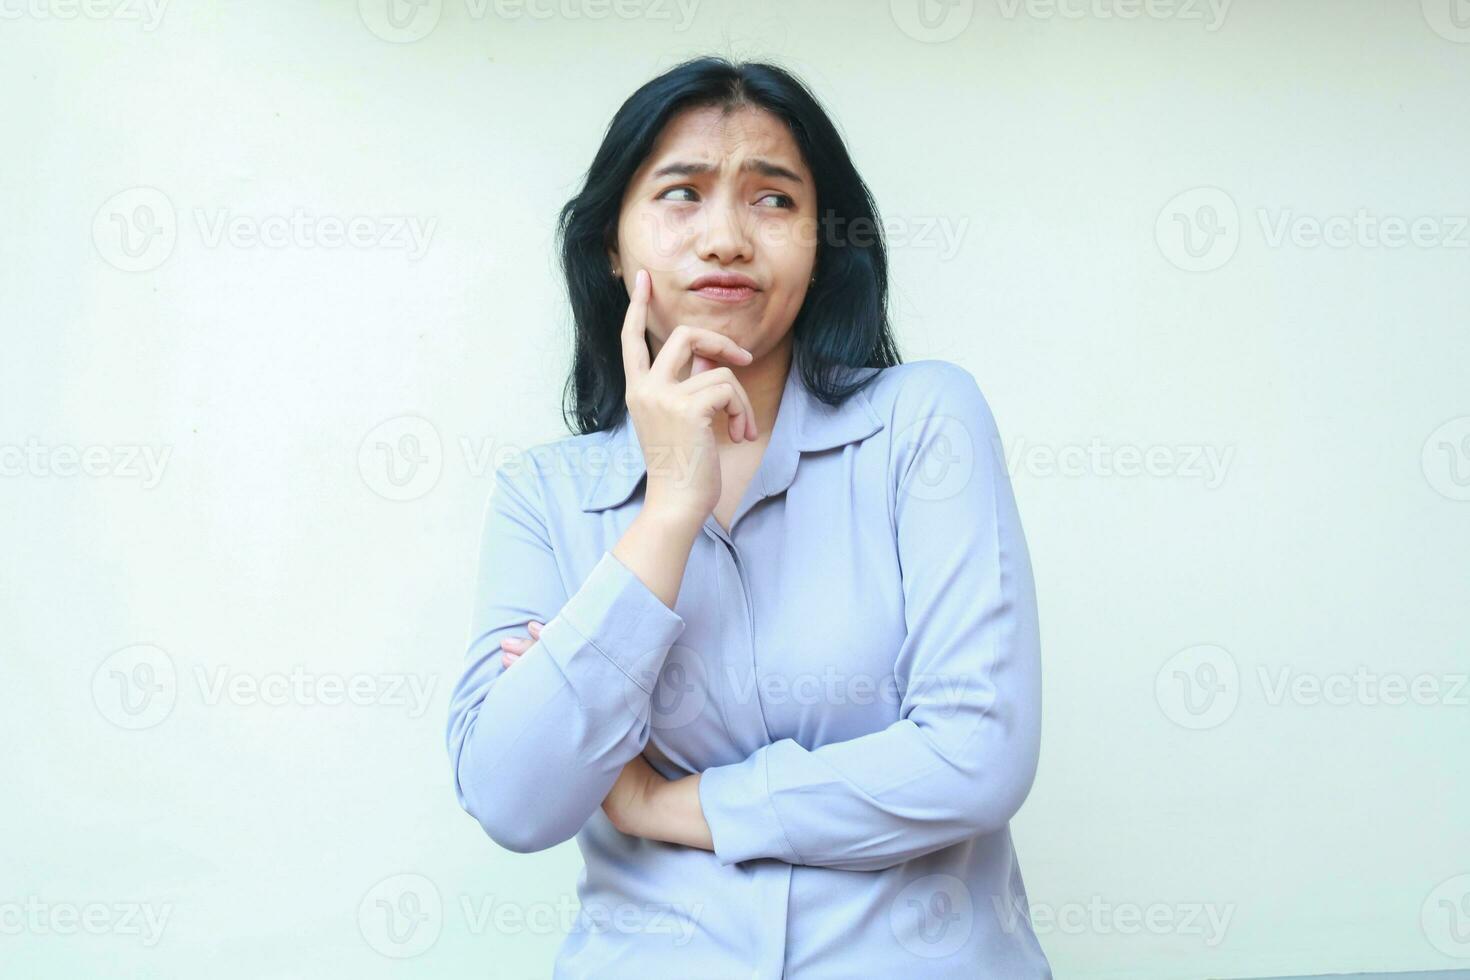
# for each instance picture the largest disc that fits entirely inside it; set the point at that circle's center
(936, 417)
(554, 475)
(906, 395)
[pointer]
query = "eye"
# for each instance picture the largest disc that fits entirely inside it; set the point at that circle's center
(783, 200)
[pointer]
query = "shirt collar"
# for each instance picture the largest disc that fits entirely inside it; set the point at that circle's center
(804, 424)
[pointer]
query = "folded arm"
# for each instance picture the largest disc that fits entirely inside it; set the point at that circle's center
(963, 753)
(535, 749)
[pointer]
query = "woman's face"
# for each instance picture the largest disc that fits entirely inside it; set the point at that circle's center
(721, 195)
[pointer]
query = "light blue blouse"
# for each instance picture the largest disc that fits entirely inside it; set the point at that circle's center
(854, 667)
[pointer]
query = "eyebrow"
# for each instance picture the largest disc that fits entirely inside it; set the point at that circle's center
(757, 164)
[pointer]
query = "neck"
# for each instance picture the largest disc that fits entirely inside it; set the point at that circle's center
(764, 379)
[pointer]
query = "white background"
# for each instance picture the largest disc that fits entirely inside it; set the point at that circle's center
(1066, 152)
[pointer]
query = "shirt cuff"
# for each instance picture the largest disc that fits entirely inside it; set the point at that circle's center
(736, 801)
(616, 618)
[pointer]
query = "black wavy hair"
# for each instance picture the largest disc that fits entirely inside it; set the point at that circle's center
(844, 320)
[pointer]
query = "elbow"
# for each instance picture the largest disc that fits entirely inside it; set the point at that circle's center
(513, 827)
(491, 794)
(995, 817)
(522, 837)
(500, 810)
(517, 816)
(509, 797)
(1001, 799)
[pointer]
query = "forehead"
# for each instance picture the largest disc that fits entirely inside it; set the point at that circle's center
(706, 135)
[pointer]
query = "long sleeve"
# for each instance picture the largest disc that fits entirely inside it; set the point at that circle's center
(962, 756)
(536, 749)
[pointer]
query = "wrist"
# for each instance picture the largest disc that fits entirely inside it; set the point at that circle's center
(674, 814)
(671, 520)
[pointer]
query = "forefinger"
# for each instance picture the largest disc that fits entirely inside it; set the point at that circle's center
(635, 328)
(696, 342)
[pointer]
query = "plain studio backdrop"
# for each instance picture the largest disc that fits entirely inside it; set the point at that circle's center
(278, 294)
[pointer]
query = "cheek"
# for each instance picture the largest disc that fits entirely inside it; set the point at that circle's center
(788, 297)
(785, 304)
(663, 312)
(657, 242)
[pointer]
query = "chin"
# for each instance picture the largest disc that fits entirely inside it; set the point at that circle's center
(712, 320)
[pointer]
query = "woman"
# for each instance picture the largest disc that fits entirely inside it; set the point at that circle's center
(782, 678)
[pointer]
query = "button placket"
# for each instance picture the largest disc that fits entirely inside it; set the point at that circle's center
(773, 877)
(727, 547)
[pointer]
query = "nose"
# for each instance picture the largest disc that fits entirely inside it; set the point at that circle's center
(724, 235)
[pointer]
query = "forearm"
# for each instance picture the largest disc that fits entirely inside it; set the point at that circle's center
(670, 812)
(536, 720)
(573, 708)
(656, 548)
(871, 802)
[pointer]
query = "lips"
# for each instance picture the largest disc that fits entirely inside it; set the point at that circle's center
(724, 287)
(724, 280)
(725, 294)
